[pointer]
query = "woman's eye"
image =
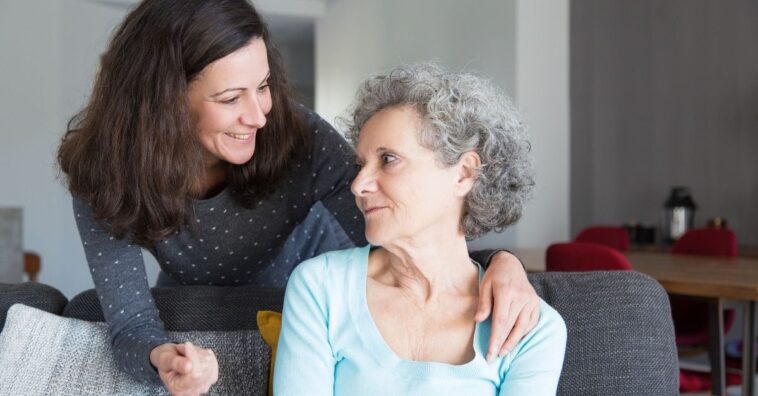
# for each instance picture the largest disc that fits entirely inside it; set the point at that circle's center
(231, 101)
(388, 159)
(263, 88)
(358, 167)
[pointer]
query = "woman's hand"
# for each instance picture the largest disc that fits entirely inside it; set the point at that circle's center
(186, 369)
(516, 304)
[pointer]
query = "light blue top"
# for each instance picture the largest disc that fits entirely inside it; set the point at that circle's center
(330, 345)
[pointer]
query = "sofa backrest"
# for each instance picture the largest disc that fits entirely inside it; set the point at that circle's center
(620, 333)
(195, 308)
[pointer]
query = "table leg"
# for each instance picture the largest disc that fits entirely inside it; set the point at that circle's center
(748, 350)
(716, 346)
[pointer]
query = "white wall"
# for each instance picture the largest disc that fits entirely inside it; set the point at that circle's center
(522, 45)
(50, 51)
(28, 107)
(542, 92)
(361, 37)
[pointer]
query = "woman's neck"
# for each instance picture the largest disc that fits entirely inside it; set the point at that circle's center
(426, 267)
(212, 182)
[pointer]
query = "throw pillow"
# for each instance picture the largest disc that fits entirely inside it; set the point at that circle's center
(270, 324)
(43, 354)
(33, 294)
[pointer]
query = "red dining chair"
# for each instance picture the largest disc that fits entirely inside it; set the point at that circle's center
(579, 256)
(691, 317)
(612, 236)
(707, 242)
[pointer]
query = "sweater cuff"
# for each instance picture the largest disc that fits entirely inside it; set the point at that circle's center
(133, 355)
(485, 256)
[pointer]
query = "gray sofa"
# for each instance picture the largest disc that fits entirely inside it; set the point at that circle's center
(620, 335)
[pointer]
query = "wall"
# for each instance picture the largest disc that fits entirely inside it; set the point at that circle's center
(521, 45)
(11, 252)
(358, 38)
(293, 37)
(664, 93)
(542, 91)
(49, 55)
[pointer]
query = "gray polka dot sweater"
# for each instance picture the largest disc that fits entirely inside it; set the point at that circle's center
(226, 244)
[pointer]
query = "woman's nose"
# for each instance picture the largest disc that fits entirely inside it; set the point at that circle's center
(364, 183)
(254, 117)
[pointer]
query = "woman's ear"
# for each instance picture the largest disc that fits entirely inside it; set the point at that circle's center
(468, 171)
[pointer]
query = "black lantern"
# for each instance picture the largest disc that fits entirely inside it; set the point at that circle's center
(678, 214)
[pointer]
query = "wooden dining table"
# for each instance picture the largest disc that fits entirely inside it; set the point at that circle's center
(714, 279)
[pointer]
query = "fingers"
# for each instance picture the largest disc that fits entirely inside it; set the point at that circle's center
(213, 363)
(206, 372)
(191, 370)
(535, 318)
(503, 319)
(515, 304)
(514, 314)
(525, 322)
(180, 364)
(189, 350)
(170, 359)
(485, 300)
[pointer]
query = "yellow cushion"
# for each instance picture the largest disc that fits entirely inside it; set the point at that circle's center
(269, 325)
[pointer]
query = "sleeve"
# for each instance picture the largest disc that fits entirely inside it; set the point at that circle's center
(304, 358)
(535, 364)
(118, 271)
(332, 159)
(484, 257)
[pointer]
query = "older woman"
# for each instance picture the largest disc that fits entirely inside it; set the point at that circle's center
(442, 158)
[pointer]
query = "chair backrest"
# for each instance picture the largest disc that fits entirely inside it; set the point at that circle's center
(707, 242)
(691, 317)
(620, 334)
(611, 236)
(579, 256)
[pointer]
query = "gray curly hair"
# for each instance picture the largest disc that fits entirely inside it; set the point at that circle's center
(460, 112)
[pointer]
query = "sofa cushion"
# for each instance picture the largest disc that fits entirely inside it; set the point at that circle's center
(33, 294)
(43, 354)
(620, 332)
(187, 308)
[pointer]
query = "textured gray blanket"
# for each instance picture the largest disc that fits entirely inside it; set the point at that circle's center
(45, 354)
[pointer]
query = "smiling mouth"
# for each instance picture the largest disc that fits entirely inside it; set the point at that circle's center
(239, 136)
(368, 211)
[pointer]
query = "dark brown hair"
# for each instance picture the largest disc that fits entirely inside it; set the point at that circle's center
(132, 153)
